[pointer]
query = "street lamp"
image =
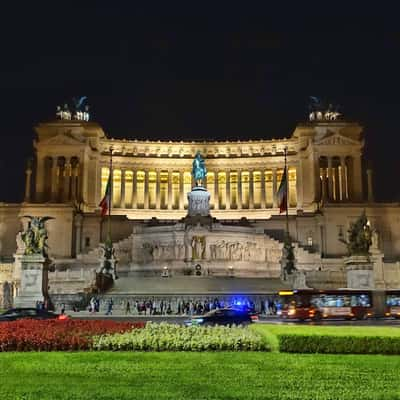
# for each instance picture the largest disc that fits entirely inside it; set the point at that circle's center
(165, 273)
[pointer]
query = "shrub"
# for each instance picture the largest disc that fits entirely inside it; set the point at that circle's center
(302, 343)
(168, 337)
(50, 335)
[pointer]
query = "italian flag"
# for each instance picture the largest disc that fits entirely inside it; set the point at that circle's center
(105, 203)
(282, 193)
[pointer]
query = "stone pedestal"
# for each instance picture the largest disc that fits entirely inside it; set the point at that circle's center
(298, 280)
(199, 202)
(30, 292)
(360, 274)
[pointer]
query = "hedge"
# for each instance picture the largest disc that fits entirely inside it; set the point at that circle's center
(303, 343)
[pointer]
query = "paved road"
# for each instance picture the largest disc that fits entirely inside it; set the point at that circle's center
(175, 319)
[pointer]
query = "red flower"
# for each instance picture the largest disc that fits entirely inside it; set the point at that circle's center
(50, 335)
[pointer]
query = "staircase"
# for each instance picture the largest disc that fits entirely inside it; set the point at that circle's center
(306, 256)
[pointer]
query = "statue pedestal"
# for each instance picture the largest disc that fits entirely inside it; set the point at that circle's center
(378, 266)
(30, 292)
(360, 273)
(298, 280)
(199, 202)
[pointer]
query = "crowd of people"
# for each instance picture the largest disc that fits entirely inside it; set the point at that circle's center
(153, 306)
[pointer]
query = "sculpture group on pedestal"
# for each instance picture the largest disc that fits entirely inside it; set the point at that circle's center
(359, 237)
(35, 263)
(359, 266)
(81, 111)
(319, 111)
(198, 198)
(34, 238)
(108, 261)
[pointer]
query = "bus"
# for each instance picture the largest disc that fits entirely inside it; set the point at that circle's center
(392, 303)
(326, 304)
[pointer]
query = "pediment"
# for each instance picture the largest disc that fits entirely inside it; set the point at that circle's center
(62, 139)
(337, 139)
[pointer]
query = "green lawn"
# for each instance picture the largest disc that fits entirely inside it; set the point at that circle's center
(225, 375)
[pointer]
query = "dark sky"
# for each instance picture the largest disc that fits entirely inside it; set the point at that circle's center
(163, 71)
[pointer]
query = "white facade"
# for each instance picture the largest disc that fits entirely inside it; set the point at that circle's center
(151, 180)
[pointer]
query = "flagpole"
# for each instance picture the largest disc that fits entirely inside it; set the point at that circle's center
(287, 194)
(111, 197)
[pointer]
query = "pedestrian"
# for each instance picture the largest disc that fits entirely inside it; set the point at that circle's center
(109, 306)
(62, 308)
(162, 307)
(91, 305)
(179, 307)
(127, 308)
(137, 306)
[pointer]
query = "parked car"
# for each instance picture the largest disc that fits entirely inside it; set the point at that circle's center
(223, 316)
(14, 314)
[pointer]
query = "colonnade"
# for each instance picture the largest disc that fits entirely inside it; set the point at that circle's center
(167, 189)
(340, 178)
(60, 180)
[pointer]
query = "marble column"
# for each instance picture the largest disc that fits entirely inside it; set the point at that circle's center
(262, 177)
(324, 193)
(330, 179)
(40, 179)
(181, 191)
(371, 198)
(274, 188)
(357, 178)
(123, 175)
(146, 189)
(216, 197)
(342, 179)
(134, 189)
(251, 189)
(79, 181)
(67, 176)
(228, 190)
(158, 186)
(239, 188)
(169, 197)
(28, 178)
(299, 185)
(74, 168)
(54, 179)
(78, 233)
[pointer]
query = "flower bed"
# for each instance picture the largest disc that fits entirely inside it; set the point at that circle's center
(50, 335)
(167, 337)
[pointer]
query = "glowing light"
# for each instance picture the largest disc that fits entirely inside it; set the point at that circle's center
(286, 293)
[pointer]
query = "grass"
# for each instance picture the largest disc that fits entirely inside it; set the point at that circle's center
(207, 375)
(225, 375)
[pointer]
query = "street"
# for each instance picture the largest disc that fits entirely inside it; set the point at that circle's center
(177, 319)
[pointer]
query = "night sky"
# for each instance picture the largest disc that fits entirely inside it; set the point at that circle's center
(163, 71)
